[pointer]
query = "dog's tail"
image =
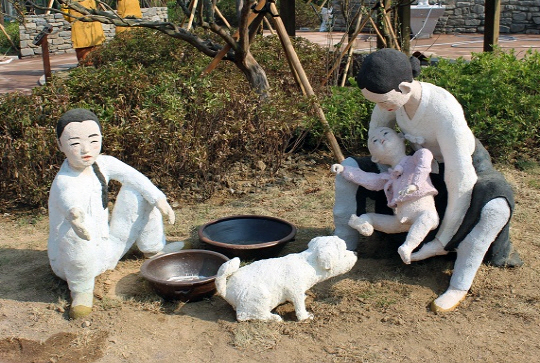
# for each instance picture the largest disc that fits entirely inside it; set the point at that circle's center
(226, 270)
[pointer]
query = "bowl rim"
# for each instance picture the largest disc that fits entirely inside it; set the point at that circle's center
(146, 275)
(255, 246)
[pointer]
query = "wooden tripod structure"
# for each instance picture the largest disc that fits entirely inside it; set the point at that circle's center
(294, 63)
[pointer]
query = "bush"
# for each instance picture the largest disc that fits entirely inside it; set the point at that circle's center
(500, 97)
(182, 131)
(499, 94)
(12, 28)
(348, 114)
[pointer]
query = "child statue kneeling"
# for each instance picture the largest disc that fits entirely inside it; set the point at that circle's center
(407, 186)
(83, 241)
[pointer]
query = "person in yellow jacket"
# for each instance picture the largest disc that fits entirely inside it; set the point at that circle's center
(84, 35)
(128, 9)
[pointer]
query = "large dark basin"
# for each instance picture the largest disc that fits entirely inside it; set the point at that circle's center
(249, 237)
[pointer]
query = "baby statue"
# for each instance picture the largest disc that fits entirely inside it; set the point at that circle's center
(407, 186)
(83, 241)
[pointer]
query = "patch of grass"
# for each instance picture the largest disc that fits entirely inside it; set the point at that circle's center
(107, 303)
(257, 335)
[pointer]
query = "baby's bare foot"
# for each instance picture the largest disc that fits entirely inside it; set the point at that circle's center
(362, 224)
(405, 254)
(430, 249)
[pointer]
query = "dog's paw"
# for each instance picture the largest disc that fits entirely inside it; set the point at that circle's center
(304, 316)
(274, 317)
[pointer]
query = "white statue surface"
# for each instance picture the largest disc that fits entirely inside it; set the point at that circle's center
(475, 202)
(84, 241)
(407, 186)
(256, 289)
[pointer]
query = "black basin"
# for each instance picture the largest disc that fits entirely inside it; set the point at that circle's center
(249, 237)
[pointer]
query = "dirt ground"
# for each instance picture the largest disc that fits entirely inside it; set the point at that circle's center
(378, 312)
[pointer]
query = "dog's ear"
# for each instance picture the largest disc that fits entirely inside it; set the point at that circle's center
(327, 255)
(312, 243)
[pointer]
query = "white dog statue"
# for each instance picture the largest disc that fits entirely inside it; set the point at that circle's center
(256, 289)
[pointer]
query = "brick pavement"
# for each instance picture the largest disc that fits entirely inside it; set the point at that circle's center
(24, 74)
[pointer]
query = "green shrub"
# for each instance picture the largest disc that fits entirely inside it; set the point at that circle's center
(12, 28)
(500, 97)
(348, 114)
(183, 131)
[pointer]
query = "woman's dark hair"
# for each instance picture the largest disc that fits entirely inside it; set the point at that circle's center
(384, 70)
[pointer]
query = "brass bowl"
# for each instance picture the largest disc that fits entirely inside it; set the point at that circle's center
(187, 275)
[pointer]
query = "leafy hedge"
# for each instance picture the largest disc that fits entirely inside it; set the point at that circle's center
(183, 131)
(500, 95)
(186, 132)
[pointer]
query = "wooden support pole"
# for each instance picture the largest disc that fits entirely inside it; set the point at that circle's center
(222, 17)
(192, 15)
(404, 15)
(491, 29)
(337, 62)
(8, 37)
(294, 62)
(269, 26)
(350, 39)
(51, 2)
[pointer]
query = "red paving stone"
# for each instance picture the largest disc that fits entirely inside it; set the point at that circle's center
(24, 74)
(440, 45)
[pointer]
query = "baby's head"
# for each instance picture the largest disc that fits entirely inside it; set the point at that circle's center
(386, 77)
(79, 137)
(386, 145)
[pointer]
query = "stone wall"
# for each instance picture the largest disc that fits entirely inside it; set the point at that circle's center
(517, 16)
(59, 41)
(467, 16)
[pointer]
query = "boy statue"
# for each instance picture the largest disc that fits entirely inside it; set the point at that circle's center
(83, 241)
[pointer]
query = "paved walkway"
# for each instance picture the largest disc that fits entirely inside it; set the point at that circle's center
(24, 74)
(440, 45)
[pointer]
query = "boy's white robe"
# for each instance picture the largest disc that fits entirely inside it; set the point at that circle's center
(134, 219)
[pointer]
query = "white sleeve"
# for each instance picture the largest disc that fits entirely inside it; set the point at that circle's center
(459, 177)
(117, 170)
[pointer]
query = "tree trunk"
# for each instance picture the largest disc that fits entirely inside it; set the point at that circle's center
(255, 74)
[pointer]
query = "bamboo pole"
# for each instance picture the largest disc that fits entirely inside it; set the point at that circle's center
(390, 29)
(381, 37)
(307, 89)
(192, 15)
(222, 17)
(347, 47)
(51, 2)
(351, 52)
(8, 37)
(269, 26)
